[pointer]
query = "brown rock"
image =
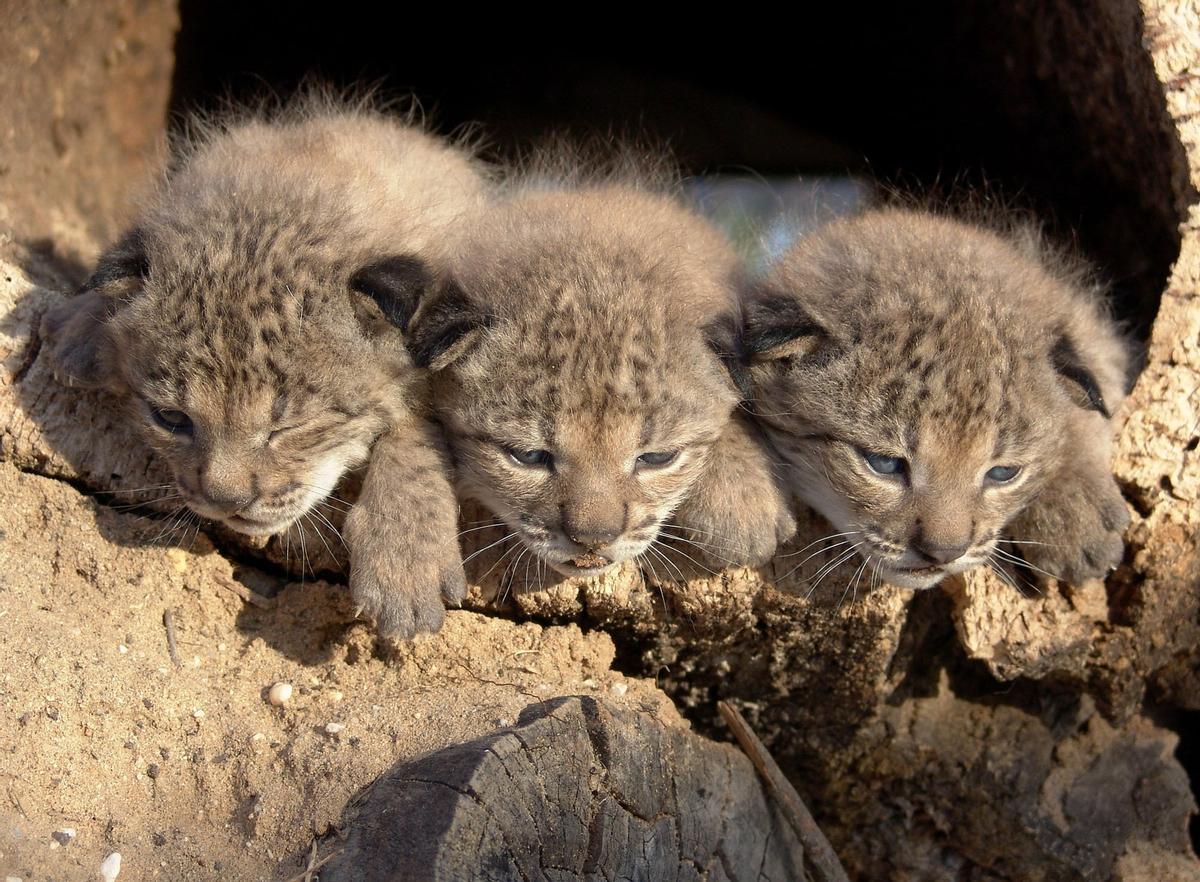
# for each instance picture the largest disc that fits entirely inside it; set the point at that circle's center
(84, 87)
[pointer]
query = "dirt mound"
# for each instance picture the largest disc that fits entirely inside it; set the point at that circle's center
(187, 770)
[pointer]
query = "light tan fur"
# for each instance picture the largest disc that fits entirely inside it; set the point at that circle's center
(955, 351)
(249, 320)
(577, 357)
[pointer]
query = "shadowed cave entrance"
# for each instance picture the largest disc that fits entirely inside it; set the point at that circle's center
(1022, 96)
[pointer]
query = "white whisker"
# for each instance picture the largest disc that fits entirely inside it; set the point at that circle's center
(830, 567)
(819, 551)
(816, 541)
(475, 554)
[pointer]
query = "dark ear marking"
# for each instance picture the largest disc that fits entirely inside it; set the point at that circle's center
(125, 261)
(777, 326)
(1070, 367)
(445, 328)
(724, 337)
(397, 284)
(76, 332)
(76, 338)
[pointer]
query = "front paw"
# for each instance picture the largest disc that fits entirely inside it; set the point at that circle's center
(749, 536)
(405, 587)
(759, 535)
(1078, 535)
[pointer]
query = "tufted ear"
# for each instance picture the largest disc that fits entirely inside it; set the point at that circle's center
(445, 327)
(724, 338)
(396, 284)
(1076, 377)
(76, 330)
(778, 326)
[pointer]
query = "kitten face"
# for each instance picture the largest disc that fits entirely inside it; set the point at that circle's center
(921, 379)
(576, 360)
(919, 492)
(258, 378)
(582, 462)
(256, 446)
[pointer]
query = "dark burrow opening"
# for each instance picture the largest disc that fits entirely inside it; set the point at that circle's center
(1054, 105)
(1186, 723)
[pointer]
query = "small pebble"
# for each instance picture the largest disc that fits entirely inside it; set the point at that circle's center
(179, 562)
(64, 836)
(618, 688)
(504, 723)
(198, 714)
(110, 868)
(335, 696)
(12, 879)
(122, 648)
(152, 770)
(281, 693)
(333, 728)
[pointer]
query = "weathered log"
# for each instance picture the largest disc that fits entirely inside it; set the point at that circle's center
(577, 790)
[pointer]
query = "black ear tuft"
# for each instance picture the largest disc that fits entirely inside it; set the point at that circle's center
(127, 261)
(1084, 388)
(778, 326)
(445, 327)
(396, 284)
(76, 338)
(75, 331)
(724, 338)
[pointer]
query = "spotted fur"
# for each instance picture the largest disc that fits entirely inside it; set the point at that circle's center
(577, 359)
(249, 320)
(900, 337)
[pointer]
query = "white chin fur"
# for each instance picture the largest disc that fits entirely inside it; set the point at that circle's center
(913, 581)
(559, 560)
(568, 570)
(249, 529)
(318, 485)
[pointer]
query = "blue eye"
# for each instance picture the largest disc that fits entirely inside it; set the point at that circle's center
(1002, 474)
(886, 465)
(174, 421)
(531, 457)
(657, 459)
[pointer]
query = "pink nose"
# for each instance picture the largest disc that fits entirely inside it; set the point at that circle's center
(593, 539)
(935, 553)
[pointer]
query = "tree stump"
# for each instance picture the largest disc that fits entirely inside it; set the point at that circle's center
(577, 790)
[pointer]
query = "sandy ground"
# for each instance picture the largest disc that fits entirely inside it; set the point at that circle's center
(187, 770)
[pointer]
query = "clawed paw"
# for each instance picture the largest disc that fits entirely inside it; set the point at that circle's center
(750, 539)
(407, 600)
(404, 580)
(1079, 535)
